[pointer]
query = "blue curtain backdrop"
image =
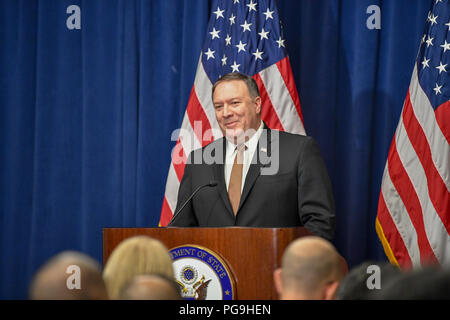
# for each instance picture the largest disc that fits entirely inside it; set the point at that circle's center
(86, 115)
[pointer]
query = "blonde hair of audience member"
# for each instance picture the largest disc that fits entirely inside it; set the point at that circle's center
(151, 287)
(311, 269)
(135, 256)
(50, 281)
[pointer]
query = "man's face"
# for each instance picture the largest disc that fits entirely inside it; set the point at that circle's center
(236, 110)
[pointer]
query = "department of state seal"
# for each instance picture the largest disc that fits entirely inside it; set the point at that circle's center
(202, 274)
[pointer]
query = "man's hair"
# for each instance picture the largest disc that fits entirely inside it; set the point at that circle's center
(354, 285)
(431, 282)
(50, 281)
(249, 81)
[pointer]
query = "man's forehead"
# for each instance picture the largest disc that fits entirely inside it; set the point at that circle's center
(231, 89)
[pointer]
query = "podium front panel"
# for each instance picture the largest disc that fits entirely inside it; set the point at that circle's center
(252, 254)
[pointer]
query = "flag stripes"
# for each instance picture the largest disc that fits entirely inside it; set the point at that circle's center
(413, 212)
(268, 115)
(284, 66)
(279, 95)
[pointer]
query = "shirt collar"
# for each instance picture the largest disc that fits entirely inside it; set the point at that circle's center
(251, 144)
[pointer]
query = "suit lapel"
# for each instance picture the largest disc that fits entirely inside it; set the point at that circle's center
(260, 160)
(219, 176)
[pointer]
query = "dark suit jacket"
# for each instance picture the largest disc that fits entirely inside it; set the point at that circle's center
(299, 194)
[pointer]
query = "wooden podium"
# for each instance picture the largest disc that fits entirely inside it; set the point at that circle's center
(252, 254)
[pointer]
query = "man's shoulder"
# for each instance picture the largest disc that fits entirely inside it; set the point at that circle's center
(293, 138)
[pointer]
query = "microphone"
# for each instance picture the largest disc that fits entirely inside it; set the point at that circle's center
(211, 183)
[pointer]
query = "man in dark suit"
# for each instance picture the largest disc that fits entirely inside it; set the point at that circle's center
(258, 177)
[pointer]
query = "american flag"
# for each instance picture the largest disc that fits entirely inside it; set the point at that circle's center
(243, 36)
(413, 220)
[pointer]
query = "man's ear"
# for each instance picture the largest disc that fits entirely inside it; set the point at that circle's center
(258, 105)
(330, 290)
(277, 281)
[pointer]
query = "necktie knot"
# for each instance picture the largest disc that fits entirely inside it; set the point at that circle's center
(241, 147)
(240, 153)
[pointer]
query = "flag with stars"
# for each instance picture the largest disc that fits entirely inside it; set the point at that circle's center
(243, 36)
(413, 219)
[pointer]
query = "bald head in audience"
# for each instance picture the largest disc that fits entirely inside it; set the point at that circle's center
(55, 280)
(151, 287)
(311, 269)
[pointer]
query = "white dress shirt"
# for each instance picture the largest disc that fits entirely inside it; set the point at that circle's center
(231, 153)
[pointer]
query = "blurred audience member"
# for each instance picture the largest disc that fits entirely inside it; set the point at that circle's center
(428, 283)
(135, 256)
(151, 287)
(68, 276)
(311, 269)
(360, 282)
